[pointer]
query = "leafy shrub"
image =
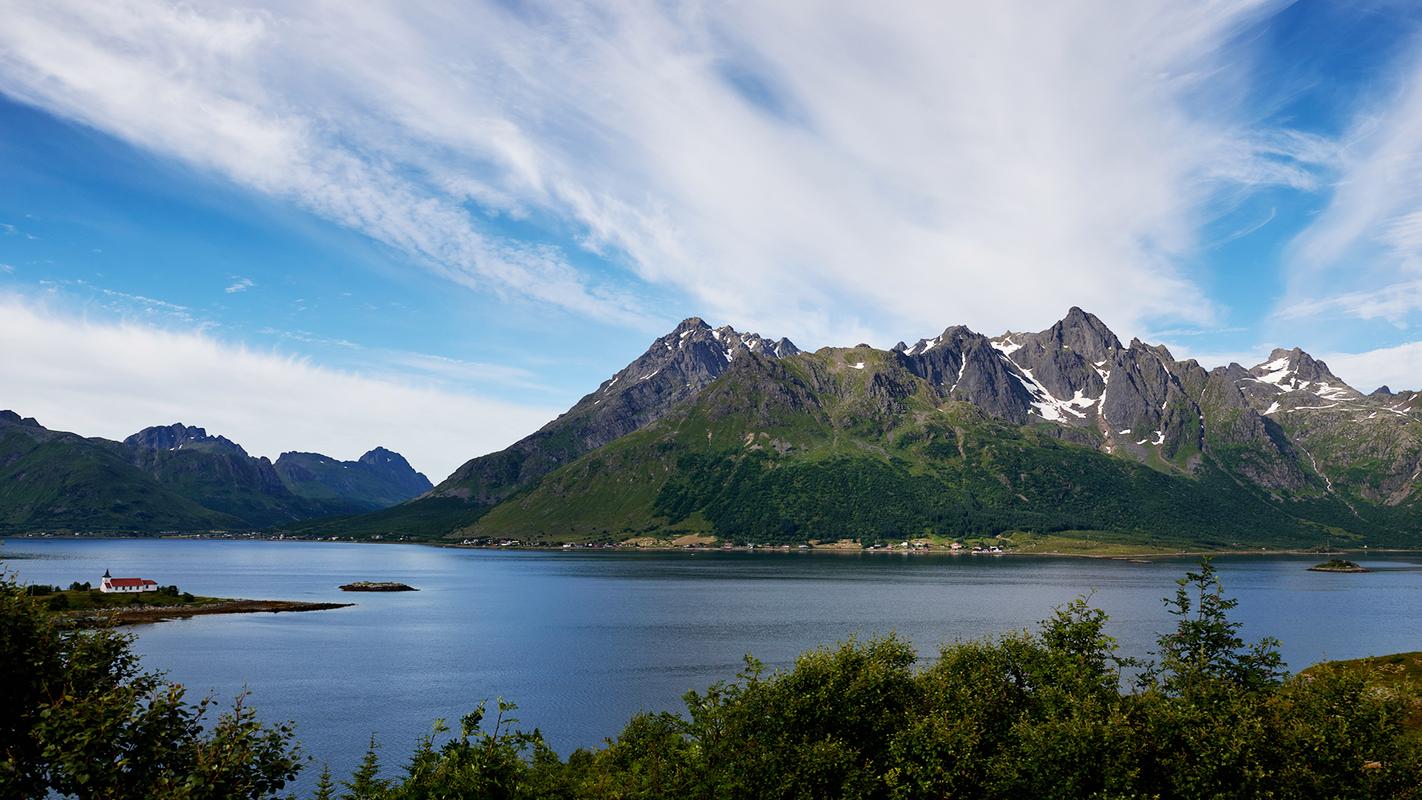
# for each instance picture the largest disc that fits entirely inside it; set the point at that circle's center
(80, 718)
(1023, 715)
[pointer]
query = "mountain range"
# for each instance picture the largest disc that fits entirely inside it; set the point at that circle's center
(180, 478)
(1064, 432)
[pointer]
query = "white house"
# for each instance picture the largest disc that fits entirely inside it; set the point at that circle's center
(112, 584)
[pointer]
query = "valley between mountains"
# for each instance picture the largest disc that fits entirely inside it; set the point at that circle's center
(1065, 433)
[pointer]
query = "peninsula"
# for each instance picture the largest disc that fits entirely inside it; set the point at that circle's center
(80, 606)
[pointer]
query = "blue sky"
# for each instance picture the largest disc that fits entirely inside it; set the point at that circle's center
(433, 226)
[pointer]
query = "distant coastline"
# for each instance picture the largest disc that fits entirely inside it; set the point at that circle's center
(1059, 547)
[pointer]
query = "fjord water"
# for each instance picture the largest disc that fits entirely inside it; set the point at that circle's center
(582, 640)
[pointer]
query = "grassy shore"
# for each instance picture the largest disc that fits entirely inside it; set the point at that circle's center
(81, 607)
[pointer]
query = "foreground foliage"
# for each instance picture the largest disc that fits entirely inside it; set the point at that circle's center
(1026, 715)
(79, 717)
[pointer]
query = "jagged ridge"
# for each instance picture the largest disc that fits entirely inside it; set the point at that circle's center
(1074, 382)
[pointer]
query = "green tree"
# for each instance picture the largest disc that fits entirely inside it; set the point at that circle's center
(366, 783)
(80, 717)
(324, 785)
(500, 763)
(1205, 649)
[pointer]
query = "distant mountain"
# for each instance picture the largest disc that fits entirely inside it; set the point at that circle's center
(217, 473)
(676, 368)
(51, 480)
(379, 479)
(178, 477)
(1062, 430)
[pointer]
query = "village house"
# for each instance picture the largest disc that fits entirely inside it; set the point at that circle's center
(112, 584)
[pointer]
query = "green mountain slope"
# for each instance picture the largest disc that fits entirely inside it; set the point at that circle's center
(379, 479)
(850, 444)
(59, 481)
(1066, 429)
(178, 478)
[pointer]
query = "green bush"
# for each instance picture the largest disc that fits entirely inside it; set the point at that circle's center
(1039, 715)
(80, 718)
(1025, 715)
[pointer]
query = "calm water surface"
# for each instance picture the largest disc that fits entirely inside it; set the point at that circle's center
(583, 640)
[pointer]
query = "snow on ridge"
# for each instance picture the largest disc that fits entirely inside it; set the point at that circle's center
(1272, 408)
(1007, 347)
(859, 365)
(1307, 408)
(1277, 378)
(1328, 392)
(1047, 406)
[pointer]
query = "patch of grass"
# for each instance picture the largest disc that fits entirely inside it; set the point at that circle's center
(80, 599)
(1086, 543)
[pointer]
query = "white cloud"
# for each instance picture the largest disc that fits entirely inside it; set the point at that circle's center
(239, 285)
(111, 379)
(834, 173)
(1392, 303)
(1398, 367)
(199, 84)
(1362, 256)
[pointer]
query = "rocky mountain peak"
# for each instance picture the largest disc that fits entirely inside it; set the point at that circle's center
(692, 355)
(1083, 332)
(953, 335)
(8, 417)
(175, 436)
(1296, 371)
(691, 324)
(379, 456)
(1382, 391)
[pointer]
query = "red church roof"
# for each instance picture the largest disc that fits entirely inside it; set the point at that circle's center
(131, 582)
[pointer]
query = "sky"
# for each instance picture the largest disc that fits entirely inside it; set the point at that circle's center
(433, 226)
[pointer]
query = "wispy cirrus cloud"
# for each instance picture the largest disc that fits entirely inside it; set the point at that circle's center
(1392, 303)
(1362, 256)
(824, 171)
(239, 284)
(199, 83)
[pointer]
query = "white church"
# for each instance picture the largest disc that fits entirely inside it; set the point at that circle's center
(112, 584)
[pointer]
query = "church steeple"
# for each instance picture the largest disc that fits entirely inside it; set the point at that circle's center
(106, 574)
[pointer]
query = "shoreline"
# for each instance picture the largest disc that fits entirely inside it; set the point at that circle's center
(146, 615)
(1124, 553)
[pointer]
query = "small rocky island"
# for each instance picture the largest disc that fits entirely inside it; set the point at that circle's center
(1337, 565)
(377, 586)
